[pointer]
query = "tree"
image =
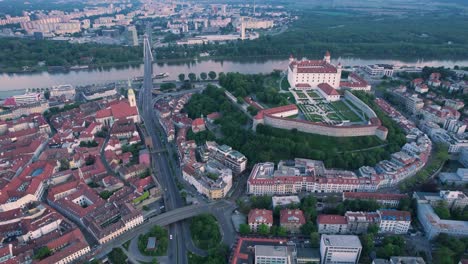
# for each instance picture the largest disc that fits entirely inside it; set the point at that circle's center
(263, 229)
(47, 95)
(314, 239)
(212, 75)
(244, 229)
(181, 77)
(373, 229)
(64, 165)
(203, 76)
(307, 228)
(281, 231)
(117, 256)
(441, 209)
(105, 194)
(192, 76)
(42, 253)
(167, 86)
(90, 160)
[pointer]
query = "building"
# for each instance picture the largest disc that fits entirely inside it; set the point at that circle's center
(388, 221)
(314, 72)
(332, 224)
(27, 98)
(132, 36)
(413, 104)
(379, 70)
(389, 200)
(328, 92)
(355, 82)
(433, 225)
(283, 201)
(455, 104)
(198, 125)
(274, 254)
(394, 222)
(460, 177)
(344, 249)
(438, 114)
(230, 158)
(455, 126)
(66, 90)
(292, 219)
(259, 217)
(211, 179)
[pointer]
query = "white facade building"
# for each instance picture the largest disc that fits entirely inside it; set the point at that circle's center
(66, 89)
(343, 249)
(314, 72)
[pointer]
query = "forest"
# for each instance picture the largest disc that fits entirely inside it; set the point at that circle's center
(18, 53)
(351, 34)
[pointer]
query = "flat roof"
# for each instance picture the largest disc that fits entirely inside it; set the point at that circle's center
(341, 240)
(271, 251)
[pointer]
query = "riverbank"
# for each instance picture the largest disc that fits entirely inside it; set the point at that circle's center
(253, 65)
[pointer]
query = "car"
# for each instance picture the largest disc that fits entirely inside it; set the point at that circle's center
(170, 237)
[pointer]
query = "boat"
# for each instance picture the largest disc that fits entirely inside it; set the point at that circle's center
(161, 75)
(79, 67)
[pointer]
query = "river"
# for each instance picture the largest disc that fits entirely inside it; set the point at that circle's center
(11, 84)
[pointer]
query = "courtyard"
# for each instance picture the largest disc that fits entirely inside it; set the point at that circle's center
(315, 108)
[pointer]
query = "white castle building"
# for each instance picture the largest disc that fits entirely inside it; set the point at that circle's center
(309, 74)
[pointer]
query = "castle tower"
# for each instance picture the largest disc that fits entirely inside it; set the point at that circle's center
(131, 97)
(291, 58)
(327, 57)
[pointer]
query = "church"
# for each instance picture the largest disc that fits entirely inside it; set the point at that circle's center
(119, 110)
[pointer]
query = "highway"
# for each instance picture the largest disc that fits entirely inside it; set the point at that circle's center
(177, 252)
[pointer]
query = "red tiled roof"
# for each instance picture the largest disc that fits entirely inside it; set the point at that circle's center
(326, 88)
(292, 216)
(303, 85)
(254, 214)
(331, 219)
(198, 122)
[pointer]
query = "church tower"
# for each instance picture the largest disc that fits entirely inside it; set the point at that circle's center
(131, 97)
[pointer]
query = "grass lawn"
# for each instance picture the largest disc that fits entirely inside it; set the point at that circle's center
(345, 111)
(162, 241)
(313, 94)
(301, 95)
(126, 244)
(334, 117)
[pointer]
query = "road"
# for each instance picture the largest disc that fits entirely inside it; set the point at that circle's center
(172, 199)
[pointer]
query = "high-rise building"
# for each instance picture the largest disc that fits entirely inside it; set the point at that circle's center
(132, 36)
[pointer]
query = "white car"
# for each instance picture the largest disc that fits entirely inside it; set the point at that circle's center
(170, 237)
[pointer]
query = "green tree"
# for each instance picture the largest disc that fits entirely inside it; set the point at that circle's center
(117, 256)
(441, 209)
(244, 229)
(307, 228)
(212, 75)
(167, 86)
(192, 77)
(203, 76)
(314, 239)
(181, 77)
(281, 231)
(373, 229)
(47, 94)
(263, 229)
(105, 194)
(42, 253)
